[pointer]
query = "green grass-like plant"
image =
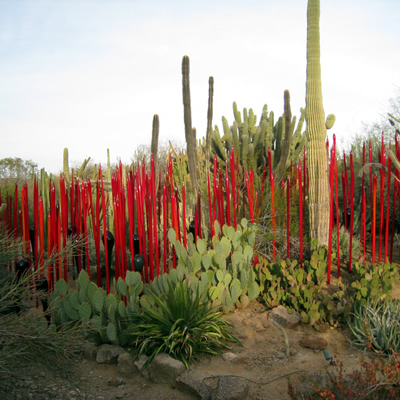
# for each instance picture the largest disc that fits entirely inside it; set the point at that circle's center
(376, 327)
(182, 326)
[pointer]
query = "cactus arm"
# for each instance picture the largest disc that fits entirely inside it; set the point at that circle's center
(236, 113)
(281, 168)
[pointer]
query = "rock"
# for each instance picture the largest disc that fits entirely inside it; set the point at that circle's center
(322, 328)
(314, 342)
(189, 384)
(126, 364)
(165, 369)
(108, 354)
(229, 387)
(139, 365)
(230, 356)
(116, 381)
(282, 317)
(89, 351)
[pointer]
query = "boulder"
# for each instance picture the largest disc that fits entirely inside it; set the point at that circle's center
(108, 354)
(188, 383)
(165, 369)
(282, 317)
(314, 342)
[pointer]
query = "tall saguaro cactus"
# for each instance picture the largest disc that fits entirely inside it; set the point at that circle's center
(316, 132)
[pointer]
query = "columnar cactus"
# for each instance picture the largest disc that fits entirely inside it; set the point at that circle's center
(190, 133)
(209, 119)
(154, 143)
(316, 132)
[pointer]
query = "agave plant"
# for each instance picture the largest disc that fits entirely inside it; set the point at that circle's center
(376, 327)
(181, 325)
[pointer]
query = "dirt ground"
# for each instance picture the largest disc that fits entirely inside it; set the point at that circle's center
(260, 359)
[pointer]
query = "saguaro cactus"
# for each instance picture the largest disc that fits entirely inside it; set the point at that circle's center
(154, 144)
(209, 119)
(316, 132)
(190, 132)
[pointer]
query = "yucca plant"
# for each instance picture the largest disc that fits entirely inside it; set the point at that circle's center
(181, 325)
(376, 327)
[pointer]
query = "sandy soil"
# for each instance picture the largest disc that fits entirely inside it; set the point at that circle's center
(260, 359)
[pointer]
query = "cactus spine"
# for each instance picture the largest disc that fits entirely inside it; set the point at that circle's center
(316, 131)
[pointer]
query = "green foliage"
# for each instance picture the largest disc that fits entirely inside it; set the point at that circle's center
(372, 282)
(376, 326)
(105, 318)
(251, 141)
(301, 289)
(224, 272)
(179, 323)
(16, 171)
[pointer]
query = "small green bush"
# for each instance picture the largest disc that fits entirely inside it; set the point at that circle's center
(376, 326)
(181, 325)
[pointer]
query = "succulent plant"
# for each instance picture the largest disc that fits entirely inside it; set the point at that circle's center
(107, 316)
(223, 271)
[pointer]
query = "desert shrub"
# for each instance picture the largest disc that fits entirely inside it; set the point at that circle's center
(377, 378)
(26, 339)
(376, 326)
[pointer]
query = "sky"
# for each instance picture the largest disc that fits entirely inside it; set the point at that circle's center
(89, 75)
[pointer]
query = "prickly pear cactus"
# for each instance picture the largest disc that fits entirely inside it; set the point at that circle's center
(105, 318)
(221, 271)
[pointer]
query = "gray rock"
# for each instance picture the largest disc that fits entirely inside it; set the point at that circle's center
(228, 387)
(233, 388)
(108, 354)
(165, 369)
(282, 317)
(126, 364)
(188, 383)
(314, 342)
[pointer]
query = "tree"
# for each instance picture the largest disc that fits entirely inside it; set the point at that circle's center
(16, 170)
(316, 132)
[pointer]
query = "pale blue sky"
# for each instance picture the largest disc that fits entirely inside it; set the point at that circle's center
(90, 74)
